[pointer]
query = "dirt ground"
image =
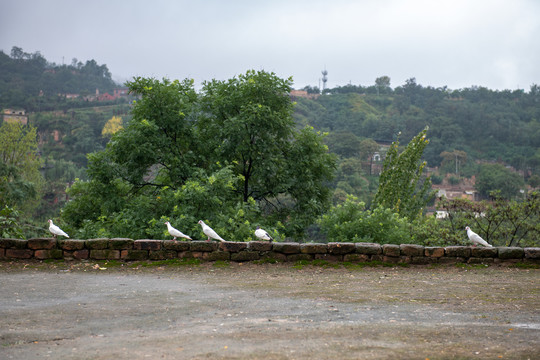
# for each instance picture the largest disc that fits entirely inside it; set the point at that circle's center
(267, 311)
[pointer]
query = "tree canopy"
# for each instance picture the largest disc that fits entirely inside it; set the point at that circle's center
(230, 152)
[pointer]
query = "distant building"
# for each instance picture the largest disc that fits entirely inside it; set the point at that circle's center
(13, 116)
(117, 93)
(303, 94)
(122, 92)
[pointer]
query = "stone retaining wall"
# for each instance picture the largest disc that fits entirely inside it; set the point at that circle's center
(131, 250)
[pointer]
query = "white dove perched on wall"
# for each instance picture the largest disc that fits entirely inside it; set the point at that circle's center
(475, 238)
(207, 230)
(263, 235)
(176, 233)
(55, 230)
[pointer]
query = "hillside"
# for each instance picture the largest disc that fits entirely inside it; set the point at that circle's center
(29, 81)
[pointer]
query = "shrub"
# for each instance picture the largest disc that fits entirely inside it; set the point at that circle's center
(350, 222)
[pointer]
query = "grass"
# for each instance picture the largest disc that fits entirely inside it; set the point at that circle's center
(522, 265)
(471, 266)
(221, 264)
(321, 263)
(266, 261)
(300, 264)
(169, 262)
(111, 263)
(54, 261)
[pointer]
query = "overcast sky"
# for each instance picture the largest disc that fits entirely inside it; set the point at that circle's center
(454, 43)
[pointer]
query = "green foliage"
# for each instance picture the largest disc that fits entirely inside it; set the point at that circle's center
(453, 180)
(436, 179)
(248, 124)
(401, 185)
(343, 143)
(500, 222)
(227, 156)
(350, 222)
(20, 180)
(9, 223)
(534, 181)
(496, 177)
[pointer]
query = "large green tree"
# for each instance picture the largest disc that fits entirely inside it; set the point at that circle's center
(234, 142)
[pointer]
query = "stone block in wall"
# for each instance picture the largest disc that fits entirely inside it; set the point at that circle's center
(175, 245)
(198, 254)
(81, 254)
(532, 253)
(451, 260)
(309, 248)
(71, 244)
(341, 248)
(185, 255)
(481, 260)
(506, 262)
(48, 254)
(260, 245)
(232, 247)
(368, 248)
(105, 254)
(272, 255)
(41, 243)
(19, 253)
(377, 257)
(121, 244)
(329, 257)
(391, 250)
(391, 259)
(97, 244)
(411, 250)
(300, 257)
(457, 251)
(245, 256)
(203, 246)
(356, 258)
(7, 243)
(13, 244)
(147, 244)
(162, 254)
(2, 253)
(434, 252)
(217, 256)
(483, 252)
(421, 260)
(511, 253)
(132, 255)
(286, 248)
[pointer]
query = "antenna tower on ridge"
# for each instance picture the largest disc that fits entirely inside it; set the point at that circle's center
(324, 79)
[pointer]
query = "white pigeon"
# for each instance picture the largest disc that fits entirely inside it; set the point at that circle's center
(263, 235)
(208, 231)
(55, 230)
(176, 233)
(475, 238)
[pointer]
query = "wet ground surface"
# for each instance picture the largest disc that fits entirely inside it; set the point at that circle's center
(267, 311)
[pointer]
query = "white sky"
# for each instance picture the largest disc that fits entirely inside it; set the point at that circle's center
(457, 43)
